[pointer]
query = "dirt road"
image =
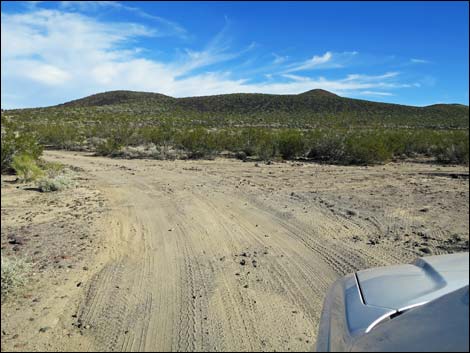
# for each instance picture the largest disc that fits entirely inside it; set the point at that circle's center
(224, 255)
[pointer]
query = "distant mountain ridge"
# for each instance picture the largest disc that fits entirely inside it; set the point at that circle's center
(314, 108)
(123, 97)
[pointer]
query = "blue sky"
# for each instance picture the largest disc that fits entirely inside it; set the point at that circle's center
(412, 53)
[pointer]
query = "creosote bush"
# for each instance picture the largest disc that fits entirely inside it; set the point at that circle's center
(340, 138)
(26, 168)
(15, 142)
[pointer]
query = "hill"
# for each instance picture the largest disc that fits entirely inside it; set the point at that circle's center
(311, 109)
(316, 124)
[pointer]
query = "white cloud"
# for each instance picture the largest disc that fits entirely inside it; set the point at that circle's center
(314, 62)
(51, 56)
(166, 27)
(42, 73)
(375, 93)
(419, 61)
(279, 59)
(326, 61)
(387, 75)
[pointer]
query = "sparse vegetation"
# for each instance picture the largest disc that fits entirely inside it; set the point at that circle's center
(14, 275)
(316, 125)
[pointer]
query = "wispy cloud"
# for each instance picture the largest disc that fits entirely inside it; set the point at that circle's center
(216, 51)
(368, 78)
(326, 61)
(419, 61)
(279, 59)
(374, 93)
(351, 83)
(166, 27)
(49, 56)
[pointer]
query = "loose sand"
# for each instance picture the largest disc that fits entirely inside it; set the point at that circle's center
(214, 255)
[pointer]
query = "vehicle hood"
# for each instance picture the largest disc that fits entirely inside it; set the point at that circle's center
(405, 286)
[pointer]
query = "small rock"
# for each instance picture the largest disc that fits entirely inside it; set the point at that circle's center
(16, 240)
(351, 213)
(243, 262)
(44, 329)
(425, 250)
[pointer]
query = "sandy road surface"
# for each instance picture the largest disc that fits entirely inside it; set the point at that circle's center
(224, 255)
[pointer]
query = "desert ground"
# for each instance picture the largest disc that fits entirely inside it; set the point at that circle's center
(212, 255)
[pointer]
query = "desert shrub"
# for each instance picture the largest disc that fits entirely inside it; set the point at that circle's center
(26, 168)
(291, 144)
(227, 140)
(455, 152)
(58, 183)
(266, 147)
(327, 147)
(108, 147)
(198, 142)
(14, 274)
(52, 169)
(366, 149)
(61, 136)
(160, 135)
(15, 143)
(248, 140)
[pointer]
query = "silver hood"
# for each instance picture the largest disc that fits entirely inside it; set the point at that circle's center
(404, 286)
(359, 304)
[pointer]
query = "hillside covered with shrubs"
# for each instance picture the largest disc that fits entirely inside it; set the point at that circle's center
(315, 125)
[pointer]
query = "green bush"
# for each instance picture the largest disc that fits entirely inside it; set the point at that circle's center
(327, 147)
(15, 143)
(248, 140)
(52, 169)
(367, 149)
(266, 147)
(61, 136)
(198, 142)
(455, 153)
(291, 144)
(26, 168)
(108, 147)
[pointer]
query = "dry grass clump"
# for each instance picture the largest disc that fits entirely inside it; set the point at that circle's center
(15, 273)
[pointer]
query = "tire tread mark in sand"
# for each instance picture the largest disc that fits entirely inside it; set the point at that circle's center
(332, 254)
(231, 304)
(294, 290)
